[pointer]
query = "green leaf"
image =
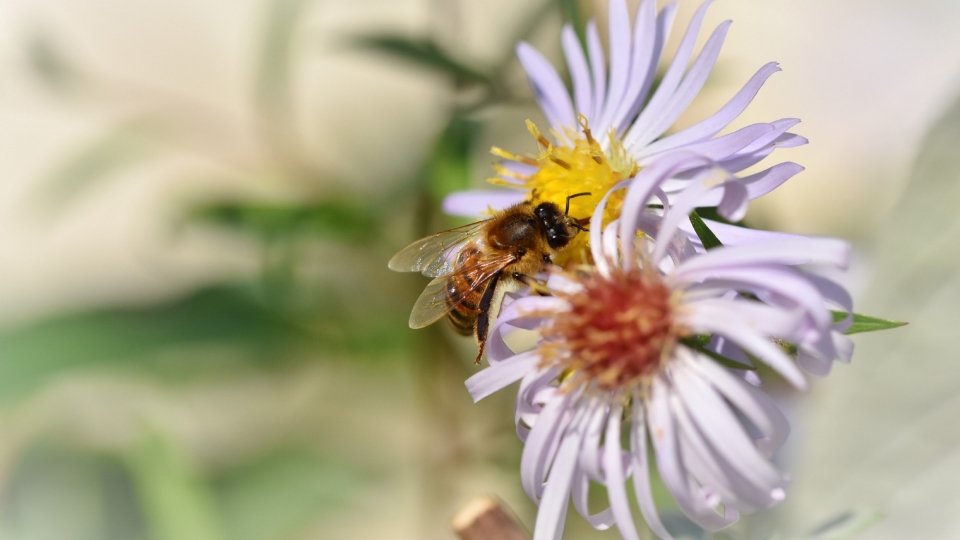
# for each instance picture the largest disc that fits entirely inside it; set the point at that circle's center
(338, 218)
(422, 52)
(449, 168)
(177, 503)
(694, 344)
(228, 317)
(864, 323)
(707, 238)
(279, 494)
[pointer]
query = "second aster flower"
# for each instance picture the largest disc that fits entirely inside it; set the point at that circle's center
(637, 348)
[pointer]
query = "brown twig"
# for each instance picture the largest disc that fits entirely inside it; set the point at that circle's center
(485, 518)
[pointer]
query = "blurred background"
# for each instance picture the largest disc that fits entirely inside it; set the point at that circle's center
(199, 337)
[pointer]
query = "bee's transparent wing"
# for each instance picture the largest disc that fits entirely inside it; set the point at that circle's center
(435, 255)
(440, 296)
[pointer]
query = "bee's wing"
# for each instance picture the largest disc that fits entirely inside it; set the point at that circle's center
(434, 255)
(436, 300)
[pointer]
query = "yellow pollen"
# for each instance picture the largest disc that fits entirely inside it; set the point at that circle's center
(584, 166)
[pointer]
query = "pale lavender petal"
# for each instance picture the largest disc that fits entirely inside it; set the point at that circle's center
(642, 188)
(642, 63)
(558, 281)
(731, 320)
(589, 466)
(598, 66)
(783, 281)
(700, 460)
(596, 229)
(835, 293)
(548, 87)
(641, 470)
(733, 204)
(480, 203)
(532, 387)
(556, 493)
(764, 182)
(540, 448)
(616, 478)
(590, 458)
(579, 71)
(844, 347)
(722, 147)
(757, 184)
(793, 251)
(732, 235)
(671, 79)
(664, 24)
(693, 81)
(779, 128)
(619, 33)
(497, 349)
(721, 427)
(754, 404)
(681, 208)
(501, 374)
(669, 460)
(714, 124)
(814, 365)
(603, 519)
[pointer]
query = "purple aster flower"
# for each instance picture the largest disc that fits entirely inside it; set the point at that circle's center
(612, 124)
(638, 348)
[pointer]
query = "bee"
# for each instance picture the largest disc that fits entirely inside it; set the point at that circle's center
(470, 263)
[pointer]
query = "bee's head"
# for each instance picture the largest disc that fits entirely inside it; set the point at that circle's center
(559, 227)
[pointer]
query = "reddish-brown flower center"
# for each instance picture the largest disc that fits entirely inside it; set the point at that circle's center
(618, 329)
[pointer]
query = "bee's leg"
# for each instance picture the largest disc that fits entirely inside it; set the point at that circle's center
(532, 282)
(483, 319)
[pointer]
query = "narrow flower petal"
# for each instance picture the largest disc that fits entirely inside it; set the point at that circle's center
(616, 478)
(641, 471)
(480, 203)
(548, 87)
(721, 119)
(579, 71)
(501, 374)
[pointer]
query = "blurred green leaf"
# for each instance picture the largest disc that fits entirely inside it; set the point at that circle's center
(449, 168)
(216, 316)
(707, 238)
(275, 496)
(422, 52)
(864, 323)
(178, 504)
(334, 218)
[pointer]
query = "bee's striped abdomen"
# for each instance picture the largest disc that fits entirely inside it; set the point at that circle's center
(464, 309)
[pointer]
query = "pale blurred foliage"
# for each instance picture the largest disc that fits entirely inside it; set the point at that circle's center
(118, 118)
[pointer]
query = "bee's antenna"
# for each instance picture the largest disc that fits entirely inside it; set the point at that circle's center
(575, 195)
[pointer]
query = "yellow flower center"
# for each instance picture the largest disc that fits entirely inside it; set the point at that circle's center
(564, 170)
